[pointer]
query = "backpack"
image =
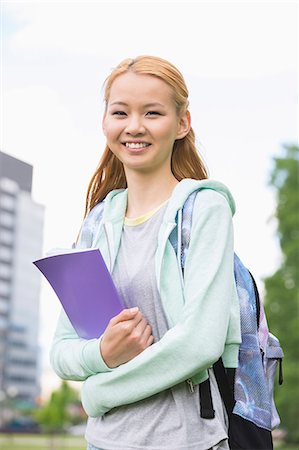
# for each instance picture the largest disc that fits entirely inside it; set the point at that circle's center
(247, 391)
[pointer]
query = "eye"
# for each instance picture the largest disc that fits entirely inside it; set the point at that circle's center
(118, 113)
(153, 112)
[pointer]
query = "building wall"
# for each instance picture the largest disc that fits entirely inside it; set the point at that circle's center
(21, 236)
(8, 195)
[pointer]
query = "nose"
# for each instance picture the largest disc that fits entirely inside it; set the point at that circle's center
(135, 125)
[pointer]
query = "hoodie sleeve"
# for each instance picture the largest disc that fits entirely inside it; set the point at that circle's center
(198, 339)
(72, 357)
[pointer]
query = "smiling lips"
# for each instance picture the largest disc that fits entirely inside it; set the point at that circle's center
(136, 146)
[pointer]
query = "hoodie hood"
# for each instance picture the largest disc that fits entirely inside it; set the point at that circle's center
(116, 200)
(186, 186)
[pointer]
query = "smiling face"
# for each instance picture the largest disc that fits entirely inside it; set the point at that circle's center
(141, 123)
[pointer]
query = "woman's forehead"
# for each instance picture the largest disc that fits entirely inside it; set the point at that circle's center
(143, 88)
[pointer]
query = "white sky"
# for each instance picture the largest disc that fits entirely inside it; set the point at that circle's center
(239, 60)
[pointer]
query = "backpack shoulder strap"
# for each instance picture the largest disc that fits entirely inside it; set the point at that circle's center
(257, 302)
(180, 237)
(225, 385)
(180, 240)
(186, 225)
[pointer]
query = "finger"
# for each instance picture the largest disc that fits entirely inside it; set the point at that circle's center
(125, 314)
(129, 326)
(138, 321)
(142, 326)
(146, 333)
(141, 334)
(150, 340)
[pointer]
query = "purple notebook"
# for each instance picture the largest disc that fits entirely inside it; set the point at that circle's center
(84, 286)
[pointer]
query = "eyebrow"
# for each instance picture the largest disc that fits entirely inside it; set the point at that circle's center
(147, 105)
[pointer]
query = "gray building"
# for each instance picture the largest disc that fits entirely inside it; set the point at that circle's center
(21, 238)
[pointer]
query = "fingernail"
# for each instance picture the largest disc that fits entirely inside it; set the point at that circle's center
(135, 309)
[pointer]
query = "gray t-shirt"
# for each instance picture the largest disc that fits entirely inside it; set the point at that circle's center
(170, 419)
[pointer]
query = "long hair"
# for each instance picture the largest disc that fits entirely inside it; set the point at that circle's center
(185, 160)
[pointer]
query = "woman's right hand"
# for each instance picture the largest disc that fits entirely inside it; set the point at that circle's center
(126, 335)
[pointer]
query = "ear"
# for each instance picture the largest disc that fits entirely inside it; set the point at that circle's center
(184, 125)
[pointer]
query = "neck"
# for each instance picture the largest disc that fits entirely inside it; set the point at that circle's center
(147, 191)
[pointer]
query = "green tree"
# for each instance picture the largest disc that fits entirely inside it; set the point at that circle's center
(282, 288)
(55, 414)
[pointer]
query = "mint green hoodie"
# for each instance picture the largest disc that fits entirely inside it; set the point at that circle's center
(203, 315)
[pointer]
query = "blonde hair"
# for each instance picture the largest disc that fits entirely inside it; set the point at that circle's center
(185, 160)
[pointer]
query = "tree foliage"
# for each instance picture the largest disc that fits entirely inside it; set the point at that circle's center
(56, 414)
(282, 288)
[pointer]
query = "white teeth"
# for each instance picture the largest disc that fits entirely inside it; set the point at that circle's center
(137, 144)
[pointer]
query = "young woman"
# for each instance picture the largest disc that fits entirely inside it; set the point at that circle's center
(142, 377)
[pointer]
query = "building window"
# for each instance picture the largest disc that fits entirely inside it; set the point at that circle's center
(17, 344)
(21, 379)
(22, 362)
(7, 202)
(3, 324)
(5, 271)
(6, 219)
(8, 185)
(6, 236)
(5, 253)
(3, 307)
(4, 288)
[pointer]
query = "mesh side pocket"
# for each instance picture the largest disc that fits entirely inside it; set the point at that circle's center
(253, 401)
(273, 354)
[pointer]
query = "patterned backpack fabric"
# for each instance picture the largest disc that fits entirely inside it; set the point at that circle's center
(260, 351)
